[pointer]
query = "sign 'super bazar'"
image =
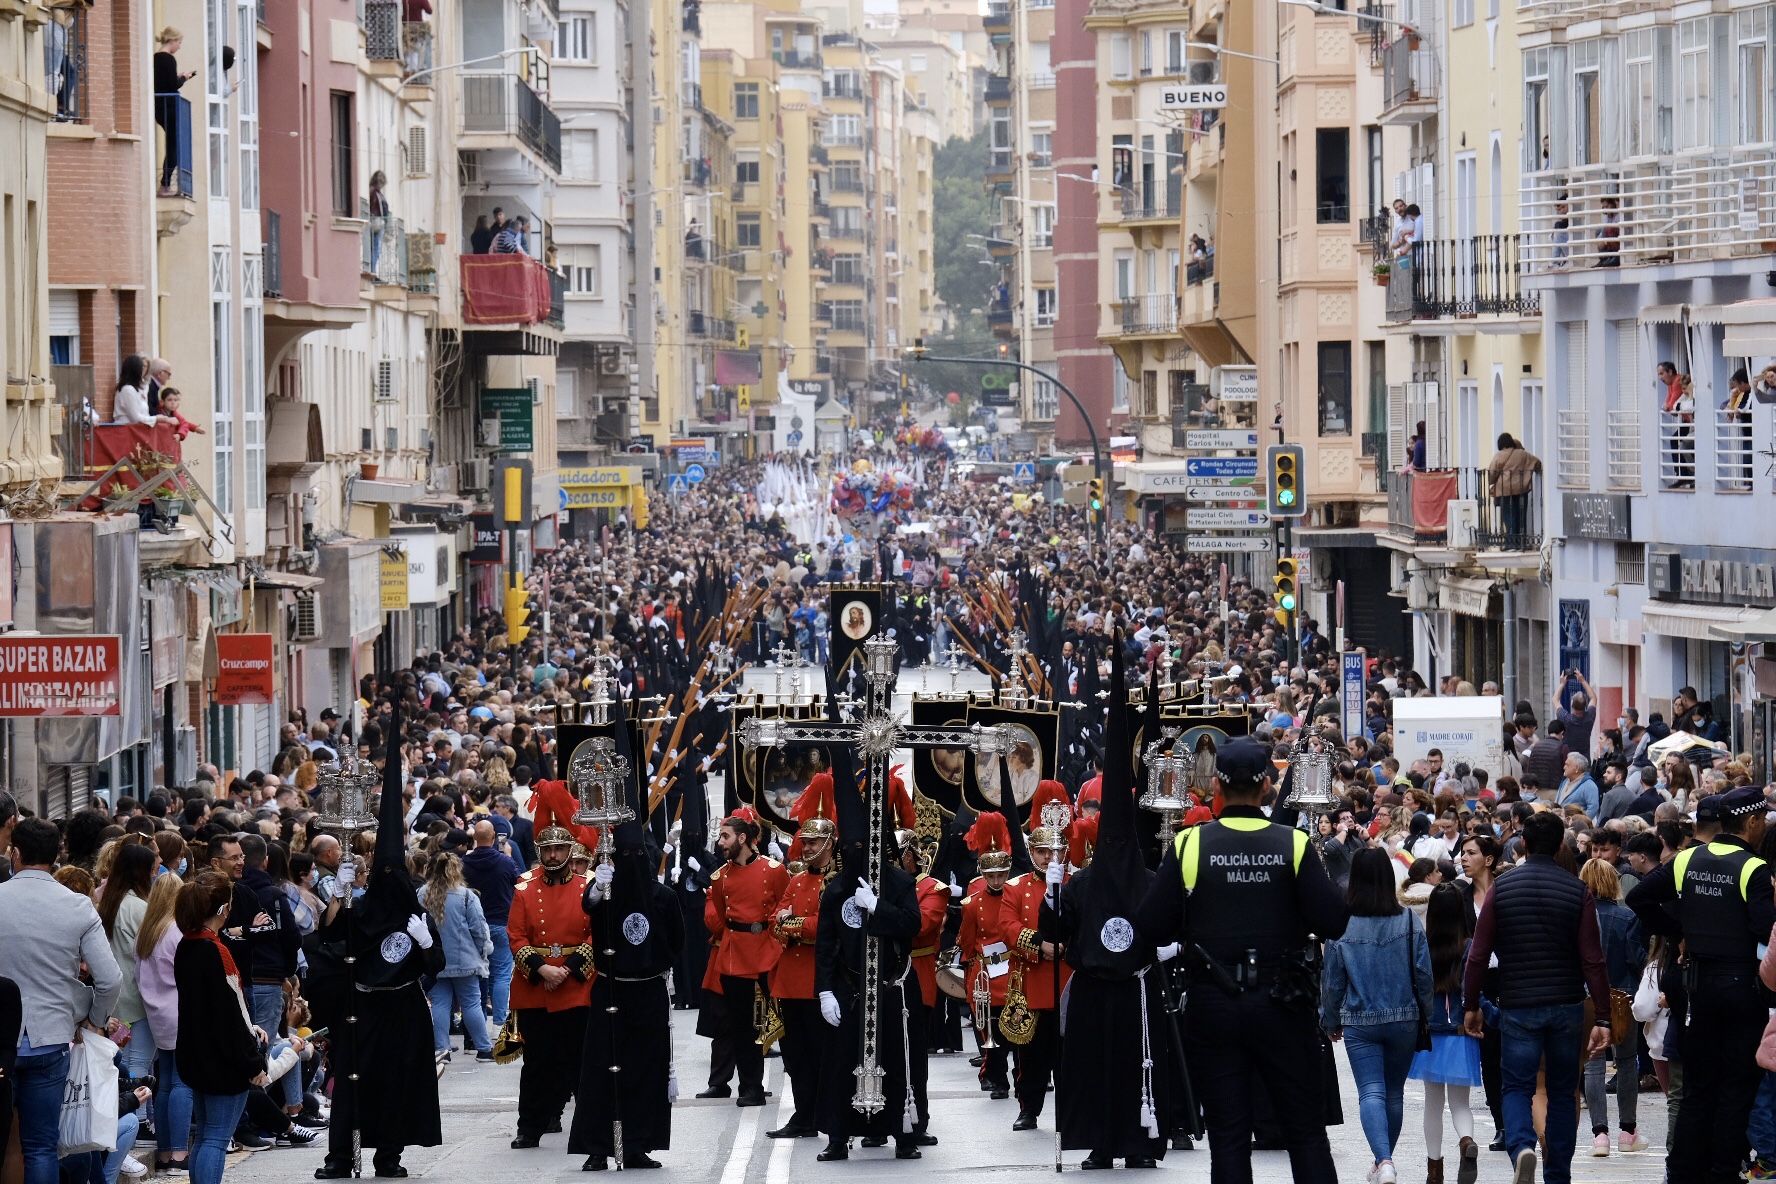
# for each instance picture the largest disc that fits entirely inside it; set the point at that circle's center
(50, 676)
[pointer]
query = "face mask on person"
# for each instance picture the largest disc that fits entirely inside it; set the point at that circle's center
(184, 865)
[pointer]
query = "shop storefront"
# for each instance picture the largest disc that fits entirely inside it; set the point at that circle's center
(1707, 606)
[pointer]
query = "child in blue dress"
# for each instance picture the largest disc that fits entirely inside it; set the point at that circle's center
(1451, 1066)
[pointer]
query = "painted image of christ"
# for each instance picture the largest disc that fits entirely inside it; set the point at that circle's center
(858, 619)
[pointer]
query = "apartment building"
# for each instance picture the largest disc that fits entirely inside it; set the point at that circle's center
(1138, 187)
(1647, 223)
(1085, 364)
(936, 75)
(1020, 97)
(849, 97)
(593, 82)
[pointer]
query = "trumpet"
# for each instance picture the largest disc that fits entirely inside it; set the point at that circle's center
(767, 1018)
(1017, 1023)
(983, 1009)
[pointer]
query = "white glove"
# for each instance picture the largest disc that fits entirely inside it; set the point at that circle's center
(829, 1008)
(955, 888)
(419, 931)
(1167, 952)
(865, 896)
(1057, 871)
(604, 875)
(347, 875)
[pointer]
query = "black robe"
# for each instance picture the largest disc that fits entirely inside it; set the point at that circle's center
(839, 953)
(637, 936)
(1099, 1091)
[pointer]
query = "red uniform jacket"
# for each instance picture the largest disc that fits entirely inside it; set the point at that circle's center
(934, 906)
(552, 805)
(793, 976)
(987, 919)
(738, 910)
(1039, 976)
(548, 926)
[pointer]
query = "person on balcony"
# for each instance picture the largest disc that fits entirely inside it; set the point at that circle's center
(170, 399)
(1679, 407)
(378, 211)
(1609, 235)
(167, 82)
(131, 402)
(1509, 479)
(481, 237)
(1738, 434)
(514, 238)
(160, 374)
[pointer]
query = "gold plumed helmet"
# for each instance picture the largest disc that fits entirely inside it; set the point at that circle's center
(1048, 838)
(818, 828)
(555, 836)
(579, 852)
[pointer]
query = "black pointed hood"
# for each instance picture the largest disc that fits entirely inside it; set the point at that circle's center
(1118, 873)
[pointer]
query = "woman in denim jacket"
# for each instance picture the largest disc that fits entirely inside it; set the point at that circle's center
(1624, 956)
(462, 927)
(1377, 984)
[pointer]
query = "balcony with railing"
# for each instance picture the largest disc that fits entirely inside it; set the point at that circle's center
(384, 251)
(998, 19)
(998, 89)
(174, 207)
(1622, 445)
(845, 183)
(274, 255)
(1461, 279)
(65, 66)
(1670, 209)
(557, 299)
(505, 290)
(1468, 509)
(713, 328)
(1133, 208)
(1199, 271)
(1410, 80)
(1375, 232)
(791, 59)
(381, 23)
(1372, 25)
(416, 51)
(504, 104)
(1154, 314)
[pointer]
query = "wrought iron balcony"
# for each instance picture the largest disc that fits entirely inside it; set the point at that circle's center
(506, 103)
(382, 30)
(173, 114)
(1479, 276)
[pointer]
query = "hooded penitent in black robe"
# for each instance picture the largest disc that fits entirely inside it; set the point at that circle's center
(839, 958)
(637, 933)
(394, 1102)
(1114, 1013)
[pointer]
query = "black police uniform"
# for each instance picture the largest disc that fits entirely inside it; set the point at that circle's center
(1247, 897)
(1717, 897)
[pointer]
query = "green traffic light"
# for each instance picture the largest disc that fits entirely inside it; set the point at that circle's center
(1286, 497)
(1288, 603)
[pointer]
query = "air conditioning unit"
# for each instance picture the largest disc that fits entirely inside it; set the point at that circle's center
(1464, 522)
(611, 363)
(475, 475)
(418, 153)
(1202, 73)
(305, 617)
(385, 380)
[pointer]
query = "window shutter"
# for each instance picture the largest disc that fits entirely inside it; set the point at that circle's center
(1398, 430)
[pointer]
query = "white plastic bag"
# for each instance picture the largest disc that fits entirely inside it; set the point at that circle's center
(89, 1100)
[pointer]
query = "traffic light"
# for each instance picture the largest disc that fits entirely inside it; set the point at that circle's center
(1284, 496)
(1004, 349)
(516, 612)
(1097, 495)
(1287, 588)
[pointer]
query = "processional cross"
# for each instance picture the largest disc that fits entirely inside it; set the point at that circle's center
(876, 733)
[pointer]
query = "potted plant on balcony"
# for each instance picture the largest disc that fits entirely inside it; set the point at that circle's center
(368, 469)
(1381, 271)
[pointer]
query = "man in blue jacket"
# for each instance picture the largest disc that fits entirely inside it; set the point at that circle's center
(490, 871)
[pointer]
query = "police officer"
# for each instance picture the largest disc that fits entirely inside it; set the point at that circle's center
(1716, 896)
(1248, 898)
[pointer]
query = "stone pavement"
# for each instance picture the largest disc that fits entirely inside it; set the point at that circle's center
(715, 1142)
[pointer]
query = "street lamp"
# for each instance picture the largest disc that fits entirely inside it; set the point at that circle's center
(407, 80)
(918, 353)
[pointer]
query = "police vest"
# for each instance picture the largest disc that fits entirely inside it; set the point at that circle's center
(1712, 882)
(1239, 875)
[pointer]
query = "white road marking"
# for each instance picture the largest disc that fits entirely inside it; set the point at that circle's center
(778, 1170)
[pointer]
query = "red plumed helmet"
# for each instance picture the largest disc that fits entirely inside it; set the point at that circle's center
(990, 840)
(1048, 791)
(1082, 836)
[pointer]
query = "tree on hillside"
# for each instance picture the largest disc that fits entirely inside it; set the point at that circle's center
(962, 206)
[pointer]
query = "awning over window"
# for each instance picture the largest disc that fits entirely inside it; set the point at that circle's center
(1695, 621)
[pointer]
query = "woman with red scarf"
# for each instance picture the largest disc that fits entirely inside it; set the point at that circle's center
(228, 1059)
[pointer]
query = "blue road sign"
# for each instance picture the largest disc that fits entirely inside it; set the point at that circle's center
(795, 438)
(694, 474)
(1221, 466)
(676, 485)
(1024, 472)
(984, 452)
(562, 494)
